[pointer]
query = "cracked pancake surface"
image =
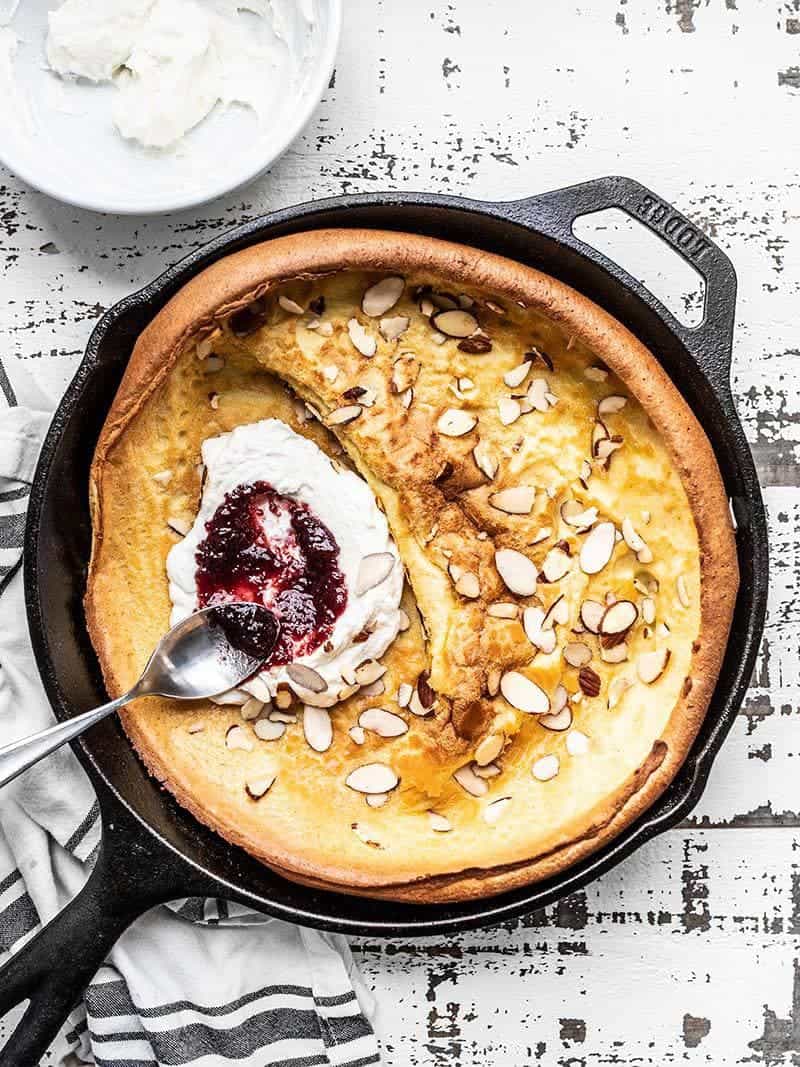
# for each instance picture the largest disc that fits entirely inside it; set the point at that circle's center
(570, 562)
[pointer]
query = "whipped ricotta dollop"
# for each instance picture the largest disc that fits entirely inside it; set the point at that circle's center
(294, 467)
(172, 61)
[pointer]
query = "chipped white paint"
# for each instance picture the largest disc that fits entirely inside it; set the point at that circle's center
(674, 955)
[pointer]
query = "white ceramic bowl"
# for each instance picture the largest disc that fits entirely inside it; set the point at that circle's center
(59, 137)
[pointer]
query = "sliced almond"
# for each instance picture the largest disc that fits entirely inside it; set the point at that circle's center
(330, 373)
(651, 665)
(517, 500)
(317, 728)
(649, 610)
(406, 398)
(523, 694)
(517, 571)
(503, 610)
(455, 422)
(577, 743)
(557, 613)
(372, 778)
(306, 677)
(382, 722)
(368, 672)
(416, 707)
(559, 721)
(257, 787)
(373, 569)
(533, 623)
(290, 305)
(545, 768)
(485, 459)
(374, 689)
(362, 339)
(591, 614)
(195, 728)
(269, 730)
(596, 374)
(439, 823)
(617, 688)
(617, 653)
(251, 709)
(469, 781)
(517, 375)
(489, 749)
(405, 371)
(610, 405)
(495, 810)
(391, 328)
(468, 585)
(404, 694)
(238, 737)
(178, 525)
(377, 800)
(508, 409)
(577, 654)
(575, 514)
(341, 416)
(493, 681)
(455, 323)
(606, 448)
(537, 394)
(619, 617)
(491, 770)
(556, 565)
(357, 735)
(598, 548)
(683, 591)
(382, 296)
(286, 717)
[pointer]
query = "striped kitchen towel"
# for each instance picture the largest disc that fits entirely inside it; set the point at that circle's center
(201, 982)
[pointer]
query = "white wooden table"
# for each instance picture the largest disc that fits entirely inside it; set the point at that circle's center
(689, 951)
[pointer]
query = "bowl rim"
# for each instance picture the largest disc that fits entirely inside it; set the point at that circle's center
(311, 98)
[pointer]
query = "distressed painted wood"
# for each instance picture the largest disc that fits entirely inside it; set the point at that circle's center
(689, 951)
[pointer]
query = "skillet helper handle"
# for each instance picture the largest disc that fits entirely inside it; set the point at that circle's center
(555, 212)
(54, 969)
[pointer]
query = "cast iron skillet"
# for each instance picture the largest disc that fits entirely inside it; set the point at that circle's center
(152, 850)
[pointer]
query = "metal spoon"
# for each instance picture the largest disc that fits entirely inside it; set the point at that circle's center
(214, 650)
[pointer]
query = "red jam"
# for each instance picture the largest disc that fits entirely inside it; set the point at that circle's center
(265, 548)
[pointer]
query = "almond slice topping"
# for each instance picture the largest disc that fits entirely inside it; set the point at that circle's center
(517, 500)
(559, 721)
(517, 571)
(357, 735)
(651, 665)
(575, 514)
(610, 405)
(373, 569)
(290, 305)
(368, 672)
(545, 768)
(619, 617)
(538, 394)
(467, 585)
(469, 781)
(617, 688)
(306, 677)
(508, 409)
(342, 415)
(404, 694)
(455, 422)
(523, 694)
(391, 328)
(533, 623)
(485, 460)
(598, 548)
(382, 296)
(555, 565)
(596, 374)
(317, 728)
(577, 743)
(517, 375)
(237, 737)
(439, 823)
(257, 787)
(683, 591)
(495, 810)
(382, 722)
(377, 800)
(267, 730)
(503, 610)
(455, 323)
(489, 749)
(362, 340)
(577, 654)
(591, 614)
(372, 778)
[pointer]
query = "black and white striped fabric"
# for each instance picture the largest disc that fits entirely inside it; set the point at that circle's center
(203, 982)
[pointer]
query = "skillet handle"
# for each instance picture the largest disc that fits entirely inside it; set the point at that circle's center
(53, 970)
(555, 213)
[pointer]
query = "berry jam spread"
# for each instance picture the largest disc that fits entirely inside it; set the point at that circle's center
(267, 549)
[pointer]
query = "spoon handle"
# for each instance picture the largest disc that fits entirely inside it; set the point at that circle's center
(19, 755)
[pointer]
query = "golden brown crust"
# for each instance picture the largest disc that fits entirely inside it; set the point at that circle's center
(235, 282)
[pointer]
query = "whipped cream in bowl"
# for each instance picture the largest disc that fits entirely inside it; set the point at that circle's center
(279, 523)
